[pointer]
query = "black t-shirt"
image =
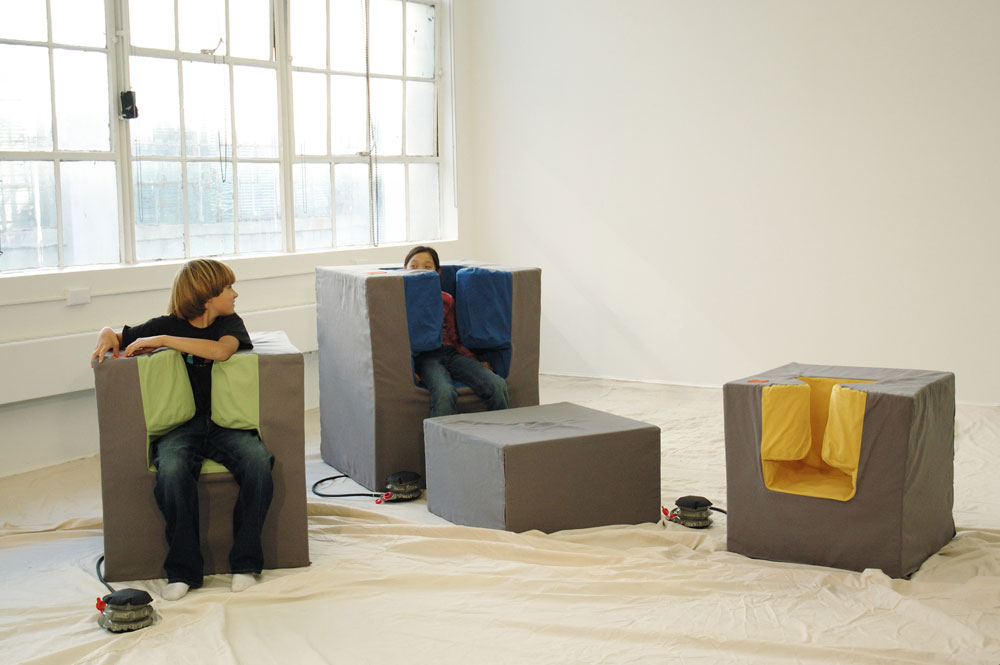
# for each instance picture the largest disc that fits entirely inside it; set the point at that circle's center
(199, 369)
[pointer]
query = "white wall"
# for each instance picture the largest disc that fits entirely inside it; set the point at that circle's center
(716, 188)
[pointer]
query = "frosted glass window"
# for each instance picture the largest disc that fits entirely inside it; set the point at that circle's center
(313, 218)
(347, 36)
(421, 118)
(419, 40)
(308, 33)
(28, 232)
(24, 19)
(387, 115)
(89, 213)
(260, 208)
(309, 95)
(202, 26)
(385, 41)
(206, 110)
(158, 201)
(82, 100)
(424, 202)
(348, 114)
(390, 206)
(78, 22)
(210, 208)
(352, 204)
(157, 130)
(25, 106)
(256, 105)
(250, 29)
(152, 23)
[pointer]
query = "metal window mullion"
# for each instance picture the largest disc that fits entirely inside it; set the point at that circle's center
(56, 164)
(230, 72)
(185, 203)
(118, 24)
(329, 135)
(402, 148)
(286, 110)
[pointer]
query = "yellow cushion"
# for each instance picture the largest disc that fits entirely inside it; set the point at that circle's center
(811, 437)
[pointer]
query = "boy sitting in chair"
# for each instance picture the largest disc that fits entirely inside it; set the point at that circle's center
(203, 326)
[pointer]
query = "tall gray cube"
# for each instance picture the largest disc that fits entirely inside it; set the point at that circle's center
(371, 408)
(550, 467)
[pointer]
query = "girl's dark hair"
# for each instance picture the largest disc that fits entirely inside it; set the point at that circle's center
(419, 249)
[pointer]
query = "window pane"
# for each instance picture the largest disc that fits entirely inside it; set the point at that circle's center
(308, 33)
(210, 208)
(421, 119)
(390, 202)
(159, 211)
(152, 23)
(24, 19)
(250, 29)
(347, 114)
(157, 130)
(78, 22)
(25, 107)
(82, 100)
(352, 204)
(347, 36)
(420, 39)
(309, 97)
(89, 213)
(260, 211)
(202, 25)
(206, 110)
(387, 115)
(256, 105)
(28, 216)
(313, 221)
(424, 202)
(385, 42)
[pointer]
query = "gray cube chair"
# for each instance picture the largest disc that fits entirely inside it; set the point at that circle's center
(371, 320)
(269, 382)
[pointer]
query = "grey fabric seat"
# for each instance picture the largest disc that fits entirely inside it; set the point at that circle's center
(550, 467)
(896, 510)
(134, 541)
(371, 409)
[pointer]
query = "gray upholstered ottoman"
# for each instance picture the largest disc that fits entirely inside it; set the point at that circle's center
(550, 467)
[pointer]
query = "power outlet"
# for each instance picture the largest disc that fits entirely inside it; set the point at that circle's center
(77, 296)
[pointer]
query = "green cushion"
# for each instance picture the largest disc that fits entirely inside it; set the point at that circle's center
(167, 399)
(236, 392)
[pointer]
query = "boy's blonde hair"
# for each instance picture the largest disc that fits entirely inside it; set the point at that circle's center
(198, 281)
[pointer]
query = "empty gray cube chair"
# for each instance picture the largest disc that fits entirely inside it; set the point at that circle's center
(371, 320)
(849, 467)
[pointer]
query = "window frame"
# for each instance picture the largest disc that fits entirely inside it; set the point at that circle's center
(118, 53)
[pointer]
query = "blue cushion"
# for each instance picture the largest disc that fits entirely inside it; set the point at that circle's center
(424, 314)
(483, 302)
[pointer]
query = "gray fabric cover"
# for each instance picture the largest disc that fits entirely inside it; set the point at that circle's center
(134, 540)
(371, 412)
(901, 513)
(551, 467)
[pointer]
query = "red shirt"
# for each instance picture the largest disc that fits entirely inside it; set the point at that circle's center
(449, 331)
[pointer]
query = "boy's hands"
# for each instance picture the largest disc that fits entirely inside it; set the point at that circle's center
(107, 340)
(144, 345)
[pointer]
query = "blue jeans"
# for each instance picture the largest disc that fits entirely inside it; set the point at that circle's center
(178, 455)
(439, 368)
